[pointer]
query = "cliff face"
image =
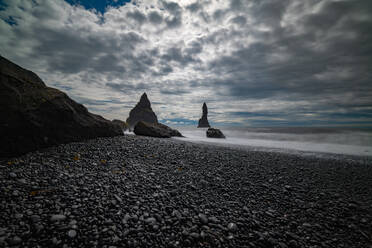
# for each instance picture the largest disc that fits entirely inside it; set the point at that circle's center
(142, 112)
(203, 121)
(34, 116)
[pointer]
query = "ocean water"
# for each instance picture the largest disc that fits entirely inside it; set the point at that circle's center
(345, 141)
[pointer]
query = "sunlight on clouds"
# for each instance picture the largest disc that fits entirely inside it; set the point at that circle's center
(250, 56)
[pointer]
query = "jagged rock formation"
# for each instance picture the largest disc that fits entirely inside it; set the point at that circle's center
(215, 133)
(203, 121)
(155, 130)
(123, 125)
(34, 116)
(142, 112)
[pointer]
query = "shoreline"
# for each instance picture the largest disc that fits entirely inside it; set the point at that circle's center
(135, 191)
(287, 151)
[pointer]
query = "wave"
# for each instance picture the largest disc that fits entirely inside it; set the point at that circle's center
(318, 140)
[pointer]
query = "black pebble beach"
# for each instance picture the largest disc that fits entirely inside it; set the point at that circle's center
(136, 191)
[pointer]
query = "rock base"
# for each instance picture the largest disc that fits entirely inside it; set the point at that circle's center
(215, 133)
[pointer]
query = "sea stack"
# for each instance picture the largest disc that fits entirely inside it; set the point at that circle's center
(34, 116)
(203, 121)
(142, 112)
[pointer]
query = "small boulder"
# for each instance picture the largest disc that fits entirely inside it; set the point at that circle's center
(215, 133)
(123, 125)
(155, 130)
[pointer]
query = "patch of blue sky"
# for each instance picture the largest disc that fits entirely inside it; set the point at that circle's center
(98, 5)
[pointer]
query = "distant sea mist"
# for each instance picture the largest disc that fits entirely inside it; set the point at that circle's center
(346, 141)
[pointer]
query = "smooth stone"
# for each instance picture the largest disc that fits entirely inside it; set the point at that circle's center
(194, 235)
(58, 217)
(22, 180)
(16, 240)
(12, 175)
(118, 198)
(177, 214)
(72, 234)
(35, 218)
(185, 233)
(232, 227)
(18, 216)
(150, 220)
(203, 218)
(55, 241)
(213, 219)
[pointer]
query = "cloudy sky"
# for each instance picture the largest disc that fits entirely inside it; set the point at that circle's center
(256, 62)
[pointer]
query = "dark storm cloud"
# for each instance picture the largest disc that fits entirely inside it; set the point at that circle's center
(194, 47)
(175, 19)
(172, 7)
(155, 17)
(236, 4)
(176, 54)
(164, 70)
(70, 51)
(240, 20)
(128, 88)
(137, 16)
(270, 12)
(219, 14)
(253, 73)
(194, 7)
(176, 92)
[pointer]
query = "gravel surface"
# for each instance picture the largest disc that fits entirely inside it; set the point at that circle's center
(136, 191)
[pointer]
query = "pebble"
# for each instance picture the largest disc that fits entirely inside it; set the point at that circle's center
(12, 175)
(213, 219)
(57, 217)
(203, 218)
(35, 218)
(150, 220)
(232, 227)
(194, 235)
(177, 214)
(16, 240)
(72, 234)
(18, 216)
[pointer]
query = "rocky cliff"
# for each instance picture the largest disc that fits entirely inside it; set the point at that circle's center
(34, 116)
(203, 121)
(142, 112)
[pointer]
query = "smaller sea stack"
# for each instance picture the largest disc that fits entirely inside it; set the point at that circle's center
(203, 121)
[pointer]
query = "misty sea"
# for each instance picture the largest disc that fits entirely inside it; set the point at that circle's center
(320, 140)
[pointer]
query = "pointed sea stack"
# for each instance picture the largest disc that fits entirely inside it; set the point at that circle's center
(203, 121)
(34, 116)
(142, 112)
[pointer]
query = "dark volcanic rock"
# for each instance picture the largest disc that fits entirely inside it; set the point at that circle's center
(35, 116)
(214, 133)
(123, 125)
(142, 112)
(203, 121)
(155, 130)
